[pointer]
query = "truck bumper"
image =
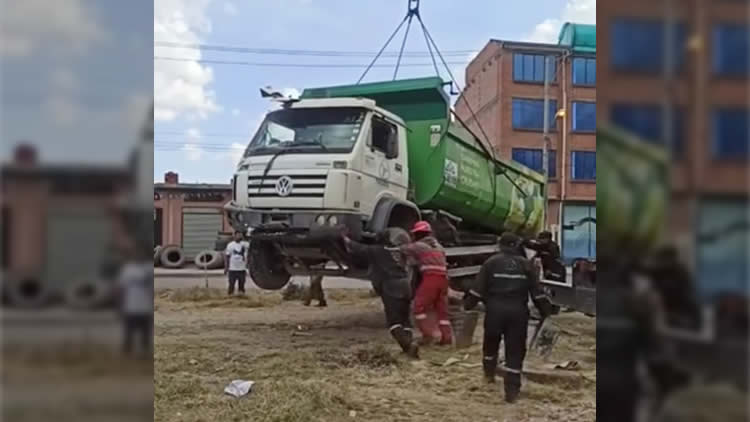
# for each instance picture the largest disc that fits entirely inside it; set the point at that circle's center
(291, 224)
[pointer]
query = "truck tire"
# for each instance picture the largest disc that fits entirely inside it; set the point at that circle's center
(267, 267)
(209, 260)
(157, 256)
(172, 257)
(28, 292)
(88, 294)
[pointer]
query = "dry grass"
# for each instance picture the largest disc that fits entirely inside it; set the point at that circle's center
(344, 364)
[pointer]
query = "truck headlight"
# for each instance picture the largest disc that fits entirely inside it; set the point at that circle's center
(333, 220)
(321, 220)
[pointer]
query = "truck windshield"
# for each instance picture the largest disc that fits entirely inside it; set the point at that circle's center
(312, 130)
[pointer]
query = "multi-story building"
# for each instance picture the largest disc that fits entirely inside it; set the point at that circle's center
(504, 102)
(707, 90)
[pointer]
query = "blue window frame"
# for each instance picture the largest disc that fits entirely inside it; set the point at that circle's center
(530, 68)
(730, 49)
(584, 71)
(645, 121)
(583, 165)
(730, 133)
(584, 116)
(529, 114)
(533, 159)
(638, 45)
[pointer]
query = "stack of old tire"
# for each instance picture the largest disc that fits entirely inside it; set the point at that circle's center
(213, 259)
(170, 256)
(30, 291)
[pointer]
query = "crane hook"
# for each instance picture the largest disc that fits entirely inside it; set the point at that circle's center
(413, 7)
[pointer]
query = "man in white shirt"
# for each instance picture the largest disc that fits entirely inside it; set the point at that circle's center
(235, 264)
(136, 293)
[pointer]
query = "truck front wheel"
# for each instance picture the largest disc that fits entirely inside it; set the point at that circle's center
(267, 266)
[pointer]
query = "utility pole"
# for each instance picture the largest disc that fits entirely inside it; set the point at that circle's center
(545, 147)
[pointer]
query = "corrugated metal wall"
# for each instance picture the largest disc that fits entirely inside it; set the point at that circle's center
(77, 241)
(199, 229)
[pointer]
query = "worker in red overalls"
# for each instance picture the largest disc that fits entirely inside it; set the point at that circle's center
(432, 293)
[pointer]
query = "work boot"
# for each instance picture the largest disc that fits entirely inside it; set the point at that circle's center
(404, 339)
(512, 386)
(446, 334)
(322, 303)
(489, 365)
(428, 330)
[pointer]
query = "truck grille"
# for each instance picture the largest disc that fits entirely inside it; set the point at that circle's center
(303, 186)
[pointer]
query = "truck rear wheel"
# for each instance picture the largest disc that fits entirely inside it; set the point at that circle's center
(267, 266)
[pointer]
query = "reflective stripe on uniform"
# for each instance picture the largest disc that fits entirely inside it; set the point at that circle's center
(420, 316)
(472, 292)
(394, 326)
(503, 275)
(490, 357)
(444, 322)
(540, 297)
(424, 268)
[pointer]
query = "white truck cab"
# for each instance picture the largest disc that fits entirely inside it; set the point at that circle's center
(320, 162)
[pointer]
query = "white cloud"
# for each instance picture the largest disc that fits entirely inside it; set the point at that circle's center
(230, 9)
(28, 25)
(62, 110)
(182, 88)
(193, 133)
(575, 11)
(235, 112)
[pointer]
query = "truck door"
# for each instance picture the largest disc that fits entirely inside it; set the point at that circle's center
(384, 166)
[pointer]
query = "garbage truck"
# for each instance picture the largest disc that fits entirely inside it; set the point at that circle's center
(366, 157)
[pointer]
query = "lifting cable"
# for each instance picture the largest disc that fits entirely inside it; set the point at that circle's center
(413, 11)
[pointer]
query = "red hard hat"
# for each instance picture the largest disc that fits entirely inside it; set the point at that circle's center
(421, 227)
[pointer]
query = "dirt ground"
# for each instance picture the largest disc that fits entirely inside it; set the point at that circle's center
(340, 364)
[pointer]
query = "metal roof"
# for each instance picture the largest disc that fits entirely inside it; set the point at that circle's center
(580, 38)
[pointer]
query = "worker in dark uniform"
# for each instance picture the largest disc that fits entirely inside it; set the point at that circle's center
(548, 252)
(391, 281)
(316, 292)
(675, 285)
(504, 284)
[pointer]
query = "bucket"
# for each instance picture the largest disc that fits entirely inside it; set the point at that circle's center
(464, 325)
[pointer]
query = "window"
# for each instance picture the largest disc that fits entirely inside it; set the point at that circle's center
(530, 68)
(584, 71)
(730, 133)
(584, 116)
(529, 114)
(730, 45)
(722, 243)
(638, 45)
(645, 121)
(583, 165)
(383, 134)
(579, 232)
(532, 158)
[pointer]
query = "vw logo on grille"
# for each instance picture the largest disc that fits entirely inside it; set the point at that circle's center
(284, 186)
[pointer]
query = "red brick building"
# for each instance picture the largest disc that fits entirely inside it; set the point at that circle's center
(708, 92)
(58, 221)
(505, 91)
(189, 215)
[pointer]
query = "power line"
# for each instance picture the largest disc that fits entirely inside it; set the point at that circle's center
(298, 65)
(298, 52)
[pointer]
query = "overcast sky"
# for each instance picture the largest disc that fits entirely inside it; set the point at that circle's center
(75, 77)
